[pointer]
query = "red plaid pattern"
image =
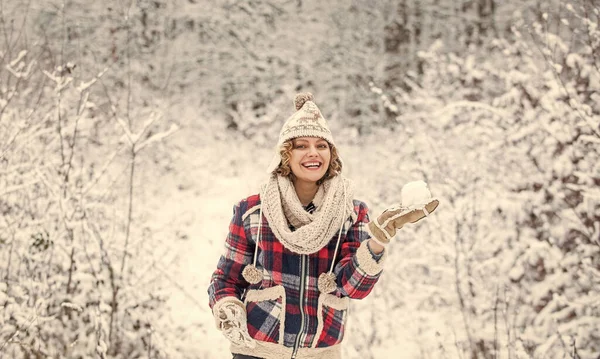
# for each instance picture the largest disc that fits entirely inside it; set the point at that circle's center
(283, 267)
(333, 326)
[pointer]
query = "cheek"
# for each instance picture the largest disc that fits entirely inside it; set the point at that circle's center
(294, 158)
(327, 156)
(295, 161)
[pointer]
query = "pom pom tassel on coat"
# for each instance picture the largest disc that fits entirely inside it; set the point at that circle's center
(327, 283)
(252, 274)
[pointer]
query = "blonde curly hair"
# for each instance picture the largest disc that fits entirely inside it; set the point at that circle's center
(284, 168)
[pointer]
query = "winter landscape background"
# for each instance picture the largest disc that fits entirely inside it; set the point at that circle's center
(128, 130)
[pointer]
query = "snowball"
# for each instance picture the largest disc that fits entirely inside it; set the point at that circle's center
(415, 193)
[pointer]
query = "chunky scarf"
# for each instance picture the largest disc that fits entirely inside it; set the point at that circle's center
(282, 208)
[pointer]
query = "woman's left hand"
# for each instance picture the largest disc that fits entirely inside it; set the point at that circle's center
(384, 227)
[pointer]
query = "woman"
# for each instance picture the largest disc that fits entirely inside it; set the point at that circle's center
(296, 253)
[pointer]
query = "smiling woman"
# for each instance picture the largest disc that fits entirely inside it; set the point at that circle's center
(300, 250)
(302, 144)
(308, 161)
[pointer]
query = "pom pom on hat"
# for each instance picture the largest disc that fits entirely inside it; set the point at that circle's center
(307, 121)
(301, 99)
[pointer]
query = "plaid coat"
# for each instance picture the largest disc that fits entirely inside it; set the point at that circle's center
(286, 313)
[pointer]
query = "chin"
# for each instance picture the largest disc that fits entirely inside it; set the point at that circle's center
(313, 177)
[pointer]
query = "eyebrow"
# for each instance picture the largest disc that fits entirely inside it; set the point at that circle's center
(302, 141)
(319, 140)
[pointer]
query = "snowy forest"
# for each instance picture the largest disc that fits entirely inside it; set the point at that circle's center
(129, 129)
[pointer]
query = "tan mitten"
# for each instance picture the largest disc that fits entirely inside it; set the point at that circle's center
(230, 317)
(416, 204)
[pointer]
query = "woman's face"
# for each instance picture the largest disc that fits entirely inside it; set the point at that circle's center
(310, 158)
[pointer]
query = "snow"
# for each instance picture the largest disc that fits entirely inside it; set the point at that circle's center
(503, 132)
(414, 194)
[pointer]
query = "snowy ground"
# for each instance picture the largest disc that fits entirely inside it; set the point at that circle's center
(200, 211)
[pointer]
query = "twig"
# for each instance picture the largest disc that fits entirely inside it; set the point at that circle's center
(18, 187)
(10, 253)
(574, 354)
(590, 43)
(129, 209)
(17, 332)
(509, 343)
(103, 170)
(461, 298)
(150, 343)
(496, 301)
(71, 259)
(128, 59)
(564, 87)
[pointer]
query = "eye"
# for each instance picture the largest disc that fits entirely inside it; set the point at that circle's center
(323, 146)
(300, 146)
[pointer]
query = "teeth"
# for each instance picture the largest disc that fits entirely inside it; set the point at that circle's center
(311, 164)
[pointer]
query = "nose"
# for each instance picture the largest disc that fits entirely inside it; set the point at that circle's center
(312, 151)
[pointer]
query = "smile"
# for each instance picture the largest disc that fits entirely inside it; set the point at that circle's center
(312, 165)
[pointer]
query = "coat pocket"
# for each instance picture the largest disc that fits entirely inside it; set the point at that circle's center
(332, 313)
(265, 310)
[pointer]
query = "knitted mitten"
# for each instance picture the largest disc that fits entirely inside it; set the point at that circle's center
(230, 317)
(416, 204)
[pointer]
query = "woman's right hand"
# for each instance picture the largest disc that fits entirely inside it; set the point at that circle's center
(232, 322)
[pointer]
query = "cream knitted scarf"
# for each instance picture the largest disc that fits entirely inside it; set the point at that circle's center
(281, 207)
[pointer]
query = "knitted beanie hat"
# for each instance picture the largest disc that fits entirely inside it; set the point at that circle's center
(307, 121)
